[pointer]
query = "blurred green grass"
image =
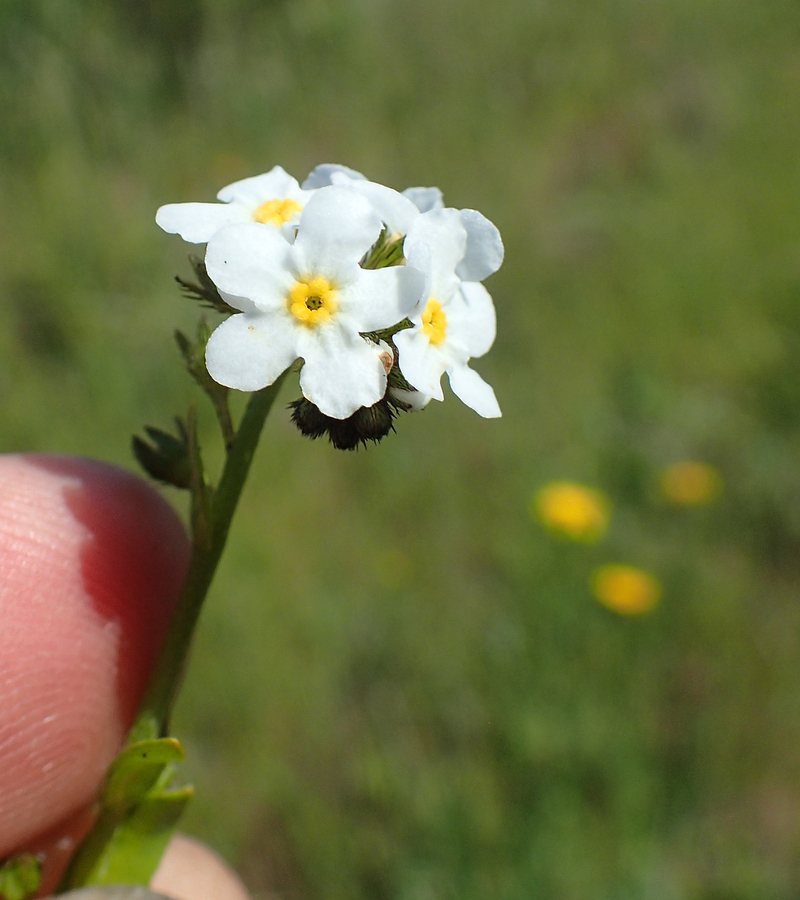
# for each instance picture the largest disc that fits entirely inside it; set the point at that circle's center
(402, 687)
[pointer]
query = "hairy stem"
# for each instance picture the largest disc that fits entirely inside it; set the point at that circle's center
(153, 719)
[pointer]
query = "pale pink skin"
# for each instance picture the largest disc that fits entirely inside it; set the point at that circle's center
(91, 564)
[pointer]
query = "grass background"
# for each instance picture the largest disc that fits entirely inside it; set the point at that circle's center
(402, 688)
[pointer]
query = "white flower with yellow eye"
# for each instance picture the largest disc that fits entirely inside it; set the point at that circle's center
(274, 198)
(455, 320)
(308, 300)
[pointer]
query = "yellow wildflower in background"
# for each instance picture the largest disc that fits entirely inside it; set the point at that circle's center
(578, 512)
(690, 483)
(626, 590)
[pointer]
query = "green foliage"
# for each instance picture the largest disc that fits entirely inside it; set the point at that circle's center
(139, 812)
(166, 458)
(402, 687)
(20, 877)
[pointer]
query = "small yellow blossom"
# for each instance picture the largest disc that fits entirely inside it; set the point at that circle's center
(578, 512)
(625, 589)
(690, 483)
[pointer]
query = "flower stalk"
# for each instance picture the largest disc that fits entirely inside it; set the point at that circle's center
(212, 515)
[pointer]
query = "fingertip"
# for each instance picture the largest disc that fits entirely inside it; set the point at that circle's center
(133, 561)
(92, 561)
(191, 871)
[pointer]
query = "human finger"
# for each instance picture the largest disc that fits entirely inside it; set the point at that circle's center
(91, 563)
(191, 871)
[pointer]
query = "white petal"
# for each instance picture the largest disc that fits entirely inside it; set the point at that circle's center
(396, 211)
(249, 260)
(474, 391)
(418, 257)
(197, 222)
(425, 198)
(248, 352)
(471, 320)
(446, 237)
(484, 253)
(420, 362)
(276, 184)
(412, 401)
(336, 229)
(245, 304)
(322, 176)
(380, 298)
(342, 371)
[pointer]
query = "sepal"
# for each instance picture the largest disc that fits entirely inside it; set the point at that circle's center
(368, 423)
(386, 251)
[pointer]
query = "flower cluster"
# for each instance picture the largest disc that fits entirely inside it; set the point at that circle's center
(378, 294)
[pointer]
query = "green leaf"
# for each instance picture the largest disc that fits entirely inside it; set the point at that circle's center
(137, 844)
(166, 458)
(138, 815)
(20, 877)
(137, 769)
(205, 291)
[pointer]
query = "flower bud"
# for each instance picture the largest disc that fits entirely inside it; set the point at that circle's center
(368, 423)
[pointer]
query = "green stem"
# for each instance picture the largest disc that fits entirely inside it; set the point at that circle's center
(136, 819)
(158, 701)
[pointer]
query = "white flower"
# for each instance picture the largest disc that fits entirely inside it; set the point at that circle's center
(309, 299)
(324, 174)
(396, 211)
(425, 198)
(484, 251)
(274, 198)
(455, 319)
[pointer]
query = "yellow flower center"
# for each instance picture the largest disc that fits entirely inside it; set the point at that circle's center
(276, 212)
(434, 322)
(312, 302)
